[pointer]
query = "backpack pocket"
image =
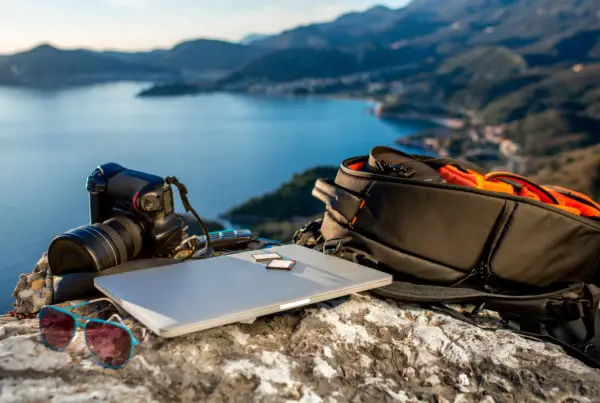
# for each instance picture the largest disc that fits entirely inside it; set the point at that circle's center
(401, 264)
(540, 246)
(440, 225)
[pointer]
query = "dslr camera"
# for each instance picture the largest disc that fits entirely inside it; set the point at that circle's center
(132, 216)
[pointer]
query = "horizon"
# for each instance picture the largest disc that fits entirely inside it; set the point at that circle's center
(64, 27)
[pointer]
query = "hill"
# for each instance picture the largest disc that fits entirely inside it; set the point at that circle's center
(277, 215)
(531, 34)
(542, 26)
(489, 63)
(350, 29)
(577, 169)
(200, 56)
(522, 35)
(46, 65)
(251, 38)
(316, 63)
(553, 132)
(575, 90)
(209, 55)
(49, 66)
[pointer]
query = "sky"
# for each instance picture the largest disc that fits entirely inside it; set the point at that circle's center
(148, 24)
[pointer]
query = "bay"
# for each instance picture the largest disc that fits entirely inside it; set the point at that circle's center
(226, 148)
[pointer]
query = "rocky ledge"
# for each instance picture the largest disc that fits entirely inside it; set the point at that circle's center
(360, 349)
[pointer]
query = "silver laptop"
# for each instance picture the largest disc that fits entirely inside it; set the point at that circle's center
(201, 294)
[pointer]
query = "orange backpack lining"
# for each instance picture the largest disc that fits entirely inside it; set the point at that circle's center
(510, 183)
(356, 166)
(504, 182)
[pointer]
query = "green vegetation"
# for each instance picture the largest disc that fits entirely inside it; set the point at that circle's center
(292, 201)
(578, 170)
(299, 63)
(567, 89)
(554, 131)
(489, 63)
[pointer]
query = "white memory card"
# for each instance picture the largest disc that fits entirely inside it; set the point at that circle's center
(262, 257)
(281, 264)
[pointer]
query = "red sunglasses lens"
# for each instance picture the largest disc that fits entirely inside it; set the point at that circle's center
(57, 328)
(109, 343)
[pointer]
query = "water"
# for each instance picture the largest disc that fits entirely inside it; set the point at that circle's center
(226, 148)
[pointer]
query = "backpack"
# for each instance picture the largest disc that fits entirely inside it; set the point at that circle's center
(450, 232)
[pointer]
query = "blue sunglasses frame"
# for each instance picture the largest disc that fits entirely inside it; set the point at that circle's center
(82, 321)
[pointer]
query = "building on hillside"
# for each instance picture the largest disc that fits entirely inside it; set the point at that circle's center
(509, 148)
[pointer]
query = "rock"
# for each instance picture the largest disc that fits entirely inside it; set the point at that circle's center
(323, 353)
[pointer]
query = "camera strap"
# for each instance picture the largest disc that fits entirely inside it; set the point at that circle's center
(171, 180)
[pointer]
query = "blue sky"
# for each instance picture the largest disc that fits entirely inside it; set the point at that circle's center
(144, 24)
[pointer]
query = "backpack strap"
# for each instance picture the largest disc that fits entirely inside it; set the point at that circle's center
(543, 194)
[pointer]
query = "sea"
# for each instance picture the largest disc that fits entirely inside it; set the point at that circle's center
(226, 148)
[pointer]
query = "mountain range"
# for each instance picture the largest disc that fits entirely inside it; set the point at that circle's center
(541, 32)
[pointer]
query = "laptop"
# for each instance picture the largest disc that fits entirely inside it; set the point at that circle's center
(196, 295)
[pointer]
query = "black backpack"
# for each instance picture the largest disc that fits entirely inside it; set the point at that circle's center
(534, 262)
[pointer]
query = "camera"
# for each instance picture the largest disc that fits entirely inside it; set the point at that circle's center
(132, 215)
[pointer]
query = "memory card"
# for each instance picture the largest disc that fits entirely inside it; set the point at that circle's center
(281, 264)
(262, 257)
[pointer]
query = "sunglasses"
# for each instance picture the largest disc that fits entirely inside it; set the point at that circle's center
(111, 343)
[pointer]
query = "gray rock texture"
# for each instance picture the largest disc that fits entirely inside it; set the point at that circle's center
(360, 349)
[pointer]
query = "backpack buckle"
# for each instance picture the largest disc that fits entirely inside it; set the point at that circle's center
(400, 171)
(335, 249)
(403, 171)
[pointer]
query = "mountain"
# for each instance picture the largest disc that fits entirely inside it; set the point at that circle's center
(292, 199)
(251, 38)
(321, 63)
(48, 66)
(542, 32)
(578, 170)
(201, 55)
(577, 91)
(376, 26)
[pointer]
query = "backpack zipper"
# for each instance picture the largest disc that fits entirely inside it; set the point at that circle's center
(483, 270)
(500, 227)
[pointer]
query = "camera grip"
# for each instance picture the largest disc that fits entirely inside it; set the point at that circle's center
(100, 208)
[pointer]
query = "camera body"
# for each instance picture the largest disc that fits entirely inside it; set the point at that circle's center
(114, 190)
(132, 216)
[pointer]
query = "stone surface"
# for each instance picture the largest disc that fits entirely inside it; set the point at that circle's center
(360, 349)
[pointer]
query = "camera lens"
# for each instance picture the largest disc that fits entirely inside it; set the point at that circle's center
(96, 247)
